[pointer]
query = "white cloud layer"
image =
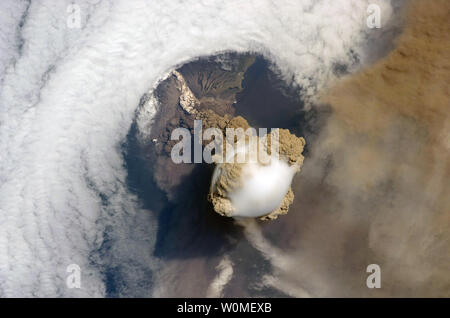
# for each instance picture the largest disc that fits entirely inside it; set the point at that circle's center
(67, 100)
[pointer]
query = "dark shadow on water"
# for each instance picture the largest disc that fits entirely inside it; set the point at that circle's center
(267, 102)
(189, 227)
(140, 175)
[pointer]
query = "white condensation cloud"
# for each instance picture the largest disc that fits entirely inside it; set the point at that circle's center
(68, 99)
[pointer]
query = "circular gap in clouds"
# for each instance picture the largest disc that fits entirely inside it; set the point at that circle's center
(187, 227)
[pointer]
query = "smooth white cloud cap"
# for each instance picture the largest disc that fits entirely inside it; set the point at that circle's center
(263, 190)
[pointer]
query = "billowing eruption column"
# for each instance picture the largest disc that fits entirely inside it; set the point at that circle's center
(259, 186)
